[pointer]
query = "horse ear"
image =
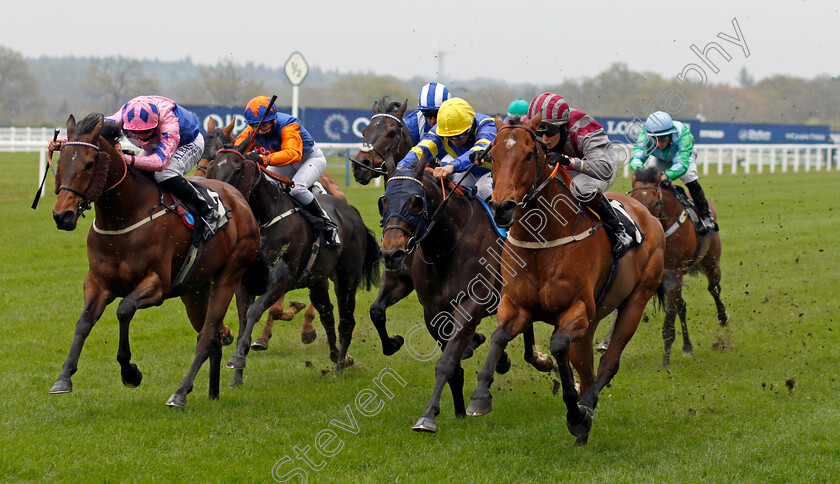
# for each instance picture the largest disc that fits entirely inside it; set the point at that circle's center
(415, 205)
(71, 126)
(401, 111)
(419, 169)
(499, 122)
(94, 135)
(228, 130)
(535, 121)
(211, 125)
(376, 109)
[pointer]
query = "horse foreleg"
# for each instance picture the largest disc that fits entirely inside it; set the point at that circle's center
(243, 302)
(448, 367)
(688, 348)
(669, 333)
(96, 299)
(392, 288)
(345, 291)
(512, 321)
(571, 326)
(148, 293)
(320, 298)
(307, 331)
(711, 267)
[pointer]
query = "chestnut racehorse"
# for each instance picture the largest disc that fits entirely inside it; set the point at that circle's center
(685, 251)
(137, 246)
(561, 270)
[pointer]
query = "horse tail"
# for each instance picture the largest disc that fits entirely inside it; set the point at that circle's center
(668, 281)
(256, 278)
(370, 267)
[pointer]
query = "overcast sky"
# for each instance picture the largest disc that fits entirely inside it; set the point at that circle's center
(535, 41)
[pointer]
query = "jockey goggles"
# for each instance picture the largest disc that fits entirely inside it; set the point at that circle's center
(460, 136)
(547, 129)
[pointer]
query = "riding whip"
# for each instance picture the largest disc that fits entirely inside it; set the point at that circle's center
(41, 186)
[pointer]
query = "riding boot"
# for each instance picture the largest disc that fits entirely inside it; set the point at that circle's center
(619, 237)
(329, 227)
(187, 193)
(707, 223)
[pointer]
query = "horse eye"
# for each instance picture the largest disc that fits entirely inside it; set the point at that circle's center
(391, 134)
(88, 165)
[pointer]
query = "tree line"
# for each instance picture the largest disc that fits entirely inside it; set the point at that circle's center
(43, 91)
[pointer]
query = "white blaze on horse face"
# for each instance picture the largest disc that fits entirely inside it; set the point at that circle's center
(509, 143)
(222, 163)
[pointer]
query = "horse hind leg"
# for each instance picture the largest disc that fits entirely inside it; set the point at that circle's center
(320, 297)
(688, 348)
(541, 361)
(308, 335)
(96, 299)
(673, 294)
(345, 290)
(712, 270)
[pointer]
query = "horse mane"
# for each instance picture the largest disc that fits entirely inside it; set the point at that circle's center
(387, 106)
(112, 132)
(648, 175)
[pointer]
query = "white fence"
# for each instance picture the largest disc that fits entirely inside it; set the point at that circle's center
(720, 159)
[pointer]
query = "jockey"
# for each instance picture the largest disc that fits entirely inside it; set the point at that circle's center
(421, 120)
(170, 145)
(672, 146)
(283, 145)
(518, 107)
(576, 141)
(456, 140)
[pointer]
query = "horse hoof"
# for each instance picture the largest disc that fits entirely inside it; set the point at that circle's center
(177, 400)
(396, 343)
(602, 346)
(227, 338)
(132, 376)
(308, 337)
(236, 362)
(425, 424)
(259, 345)
(582, 440)
(479, 407)
(688, 351)
(61, 386)
(348, 362)
(503, 365)
(582, 428)
(544, 363)
(725, 321)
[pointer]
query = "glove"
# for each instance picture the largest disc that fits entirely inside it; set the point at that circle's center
(636, 164)
(554, 158)
(256, 158)
(475, 156)
(478, 157)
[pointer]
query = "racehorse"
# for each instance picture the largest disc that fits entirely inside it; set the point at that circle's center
(137, 245)
(685, 251)
(214, 141)
(451, 258)
(562, 265)
(385, 142)
(289, 239)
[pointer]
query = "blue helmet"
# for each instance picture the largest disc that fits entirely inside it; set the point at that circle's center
(432, 96)
(660, 124)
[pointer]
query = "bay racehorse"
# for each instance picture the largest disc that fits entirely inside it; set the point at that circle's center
(562, 268)
(685, 251)
(444, 246)
(288, 239)
(215, 140)
(137, 245)
(385, 142)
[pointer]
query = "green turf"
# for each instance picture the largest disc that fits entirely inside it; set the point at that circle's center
(722, 415)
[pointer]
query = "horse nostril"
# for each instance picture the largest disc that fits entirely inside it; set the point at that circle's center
(398, 255)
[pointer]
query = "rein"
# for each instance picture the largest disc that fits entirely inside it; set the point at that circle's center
(538, 143)
(661, 204)
(100, 175)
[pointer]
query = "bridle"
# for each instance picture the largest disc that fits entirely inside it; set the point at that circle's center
(659, 203)
(97, 182)
(539, 149)
(368, 147)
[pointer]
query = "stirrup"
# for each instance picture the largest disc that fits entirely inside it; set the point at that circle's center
(620, 247)
(330, 232)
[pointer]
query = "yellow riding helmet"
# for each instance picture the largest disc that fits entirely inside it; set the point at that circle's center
(455, 117)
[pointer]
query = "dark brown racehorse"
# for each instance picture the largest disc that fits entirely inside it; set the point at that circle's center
(444, 246)
(385, 142)
(560, 270)
(288, 239)
(216, 139)
(685, 252)
(136, 247)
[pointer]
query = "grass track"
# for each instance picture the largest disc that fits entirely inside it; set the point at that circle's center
(722, 415)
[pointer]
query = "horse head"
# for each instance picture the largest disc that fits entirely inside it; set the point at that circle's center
(214, 141)
(385, 140)
(404, 213)
(647, 189)
(518, 158)
(83, 167)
